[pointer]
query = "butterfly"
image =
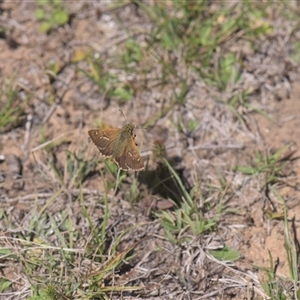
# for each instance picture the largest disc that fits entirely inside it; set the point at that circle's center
(119, 145)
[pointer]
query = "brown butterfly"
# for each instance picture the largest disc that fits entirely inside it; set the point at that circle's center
(119, 144)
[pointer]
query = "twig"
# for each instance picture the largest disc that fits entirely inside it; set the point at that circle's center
(27, 135)
(47, 143)
(217, 147)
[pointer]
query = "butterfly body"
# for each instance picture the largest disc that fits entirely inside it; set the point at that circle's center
(119, 144)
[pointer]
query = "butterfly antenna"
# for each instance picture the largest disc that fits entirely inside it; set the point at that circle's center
(123, 114)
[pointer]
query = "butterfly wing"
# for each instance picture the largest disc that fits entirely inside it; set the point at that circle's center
(131, 159)
(105, 139)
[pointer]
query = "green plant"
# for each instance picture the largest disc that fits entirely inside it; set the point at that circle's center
(77, 169)
(185, 217)
(108, 83)
(225, 254)
(295, 56)
(290, 247)
(132, 53)
(277, 287)
(12, 106)
(81, 259)
(269, 164)
(52, 14)
(200, 29)
(4, 284)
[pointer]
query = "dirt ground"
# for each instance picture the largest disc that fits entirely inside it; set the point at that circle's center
(68, 106)
(282, 132)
